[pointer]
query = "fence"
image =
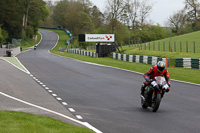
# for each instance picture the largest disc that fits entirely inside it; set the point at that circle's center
(140, 58)
(91, 47)
(82, 52)
(16, 42)
(187, 47)
(188, 63)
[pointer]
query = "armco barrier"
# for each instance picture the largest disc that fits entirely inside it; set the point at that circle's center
(139, 58)
(16, 51)
(82, 52)
(188, 63)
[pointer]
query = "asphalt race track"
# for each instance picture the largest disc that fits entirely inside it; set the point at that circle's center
(108, 98)
(19, 92)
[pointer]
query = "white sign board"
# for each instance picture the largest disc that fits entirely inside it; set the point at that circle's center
(99, 37)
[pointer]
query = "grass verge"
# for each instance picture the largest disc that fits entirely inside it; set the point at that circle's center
(19, 122)
(177, 45)
(27, 44)
(15, 62)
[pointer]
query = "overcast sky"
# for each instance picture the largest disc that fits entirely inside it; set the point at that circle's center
(161, 11)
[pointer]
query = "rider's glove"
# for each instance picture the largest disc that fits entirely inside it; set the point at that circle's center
(166, 87)
(169, 84)
(147, 80)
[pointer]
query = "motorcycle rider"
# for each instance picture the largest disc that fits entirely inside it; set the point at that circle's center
(157, 70)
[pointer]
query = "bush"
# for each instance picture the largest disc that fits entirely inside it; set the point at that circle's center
(29, 32)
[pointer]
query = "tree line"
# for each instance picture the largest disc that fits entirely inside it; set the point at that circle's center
(127, 19)
(124, 18)
(20, 19)
(187, 19)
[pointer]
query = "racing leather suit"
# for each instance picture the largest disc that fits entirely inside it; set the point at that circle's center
(152, 73)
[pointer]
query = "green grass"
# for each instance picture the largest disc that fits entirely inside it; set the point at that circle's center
(18, 122)
(172, 53)
(38, 38)
(15, 62)
(26, 44)
(177, 43)
(184, 74)
(62, 39)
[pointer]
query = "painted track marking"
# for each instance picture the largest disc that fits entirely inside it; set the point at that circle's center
(54, 112)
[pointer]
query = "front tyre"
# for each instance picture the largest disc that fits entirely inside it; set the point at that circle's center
(156, 102)
(143, 104)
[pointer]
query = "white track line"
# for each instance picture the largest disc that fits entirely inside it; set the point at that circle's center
(79, 117)
(50, 91)
(23, 66)
(54, 95)
(54, 112)
(46, 88)
(64, 103)
(59, 99)
(71, 110)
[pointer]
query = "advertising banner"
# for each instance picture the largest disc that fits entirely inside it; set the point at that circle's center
(100, 37)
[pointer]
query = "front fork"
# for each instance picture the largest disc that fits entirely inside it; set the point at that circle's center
(160, 92)
(152, 93)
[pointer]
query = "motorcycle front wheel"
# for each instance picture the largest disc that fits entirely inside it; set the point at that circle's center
(143, 104)
(156, 102)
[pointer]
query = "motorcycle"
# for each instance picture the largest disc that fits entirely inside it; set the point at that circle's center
(154, 93)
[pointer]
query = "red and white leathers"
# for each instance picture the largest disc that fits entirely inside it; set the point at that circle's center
(153, 72)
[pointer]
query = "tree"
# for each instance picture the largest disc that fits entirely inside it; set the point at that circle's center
(60, 11)
(115, 8)
(97, 17)
(49, 20)
(145, 9)
(186, 20)
(71, 21)
(132, 11)
(37, 12)
(86, 25)
(11, 18)
(178, 20)
(193, 12)
(16, 15)
(77, 16)
(86, 5)
(25, 6)
(193, 7)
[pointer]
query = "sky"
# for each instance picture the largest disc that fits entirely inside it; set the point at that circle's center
(161, 10)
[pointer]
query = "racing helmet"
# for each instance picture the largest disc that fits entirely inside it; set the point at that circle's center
(161, 66)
